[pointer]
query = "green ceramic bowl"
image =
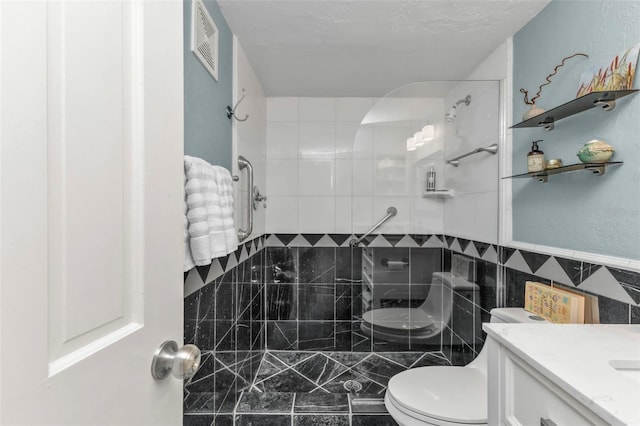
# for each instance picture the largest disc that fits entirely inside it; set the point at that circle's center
(595, 151)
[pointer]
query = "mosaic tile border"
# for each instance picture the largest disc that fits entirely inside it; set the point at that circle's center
(477, 249)
(199, 276)
(342, 240)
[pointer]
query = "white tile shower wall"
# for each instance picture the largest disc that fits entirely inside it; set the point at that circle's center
(389, 175)
(476, 179)
(473, 213)
(249, 138)
(309, 150)
(327, 173)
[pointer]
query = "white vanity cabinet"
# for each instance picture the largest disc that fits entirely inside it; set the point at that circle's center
(519, 395)
(546, 375)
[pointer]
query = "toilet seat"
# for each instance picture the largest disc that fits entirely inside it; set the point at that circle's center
(451, 395)
(404, 418)
(400, 319)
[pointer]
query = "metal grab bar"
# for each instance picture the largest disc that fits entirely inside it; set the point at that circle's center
(243, 163)
(391, 211)
(491, 148)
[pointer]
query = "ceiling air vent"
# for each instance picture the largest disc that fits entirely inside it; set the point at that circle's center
(204, 38)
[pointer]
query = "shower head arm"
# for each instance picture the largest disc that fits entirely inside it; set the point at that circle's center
(466, 101)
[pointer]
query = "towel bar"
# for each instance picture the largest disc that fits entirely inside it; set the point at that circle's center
(493, 148)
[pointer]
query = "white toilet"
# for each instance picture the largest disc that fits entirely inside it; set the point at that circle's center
(447, 396)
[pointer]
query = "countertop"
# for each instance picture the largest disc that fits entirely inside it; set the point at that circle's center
(576, 358)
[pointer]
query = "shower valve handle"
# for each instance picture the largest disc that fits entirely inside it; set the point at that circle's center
(258, 198)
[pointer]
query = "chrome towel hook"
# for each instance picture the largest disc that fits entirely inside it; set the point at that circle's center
(231, 112)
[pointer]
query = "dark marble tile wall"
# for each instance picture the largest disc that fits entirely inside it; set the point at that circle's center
(310, 297)
(464, 337)
(315, 295)
(617, 290)
(225, 319)
(300, 317)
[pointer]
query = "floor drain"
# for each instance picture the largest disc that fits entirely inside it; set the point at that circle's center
(352, 386)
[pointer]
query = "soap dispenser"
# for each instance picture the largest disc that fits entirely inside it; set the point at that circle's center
(431, 179)
(535, 158)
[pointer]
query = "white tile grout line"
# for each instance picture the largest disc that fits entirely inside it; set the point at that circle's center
(255, 376)
(235, 407)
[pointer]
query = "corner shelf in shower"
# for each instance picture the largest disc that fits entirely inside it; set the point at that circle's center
(595, 168)
(439, 193)
(606, 100)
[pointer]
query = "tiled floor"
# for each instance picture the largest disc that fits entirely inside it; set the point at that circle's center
(307, 388)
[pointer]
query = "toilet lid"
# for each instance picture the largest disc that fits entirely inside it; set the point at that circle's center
(453, 394)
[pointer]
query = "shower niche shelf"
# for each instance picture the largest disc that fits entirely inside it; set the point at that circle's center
(605, 100)
(439, 193)
(596, 168)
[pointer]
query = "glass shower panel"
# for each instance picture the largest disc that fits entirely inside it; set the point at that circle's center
(410, 298)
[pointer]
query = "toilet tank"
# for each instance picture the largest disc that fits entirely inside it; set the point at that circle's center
(442, 289)
(514, 315)
(505, 315)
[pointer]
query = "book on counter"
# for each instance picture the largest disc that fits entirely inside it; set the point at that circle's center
(555, 304)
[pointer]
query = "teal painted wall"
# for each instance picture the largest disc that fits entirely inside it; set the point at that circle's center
(578, 211)
(207, 130)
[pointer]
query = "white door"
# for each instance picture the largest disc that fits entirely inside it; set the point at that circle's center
(91, 127)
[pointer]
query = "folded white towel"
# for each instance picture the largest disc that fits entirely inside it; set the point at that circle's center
(188, 257)
(208, 212)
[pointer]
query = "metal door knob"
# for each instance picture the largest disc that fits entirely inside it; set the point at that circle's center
(182, 363)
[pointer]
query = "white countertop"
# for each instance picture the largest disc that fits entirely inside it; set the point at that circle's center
(576, 358)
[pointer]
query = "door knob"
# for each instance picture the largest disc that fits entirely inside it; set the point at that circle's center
(183, 363)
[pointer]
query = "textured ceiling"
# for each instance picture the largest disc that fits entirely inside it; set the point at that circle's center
(368, 47)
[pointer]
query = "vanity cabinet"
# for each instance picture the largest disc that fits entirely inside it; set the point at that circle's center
(520, 395)
(563, 374)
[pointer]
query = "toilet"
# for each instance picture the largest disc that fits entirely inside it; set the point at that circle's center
(424, 323)
(447, 396)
